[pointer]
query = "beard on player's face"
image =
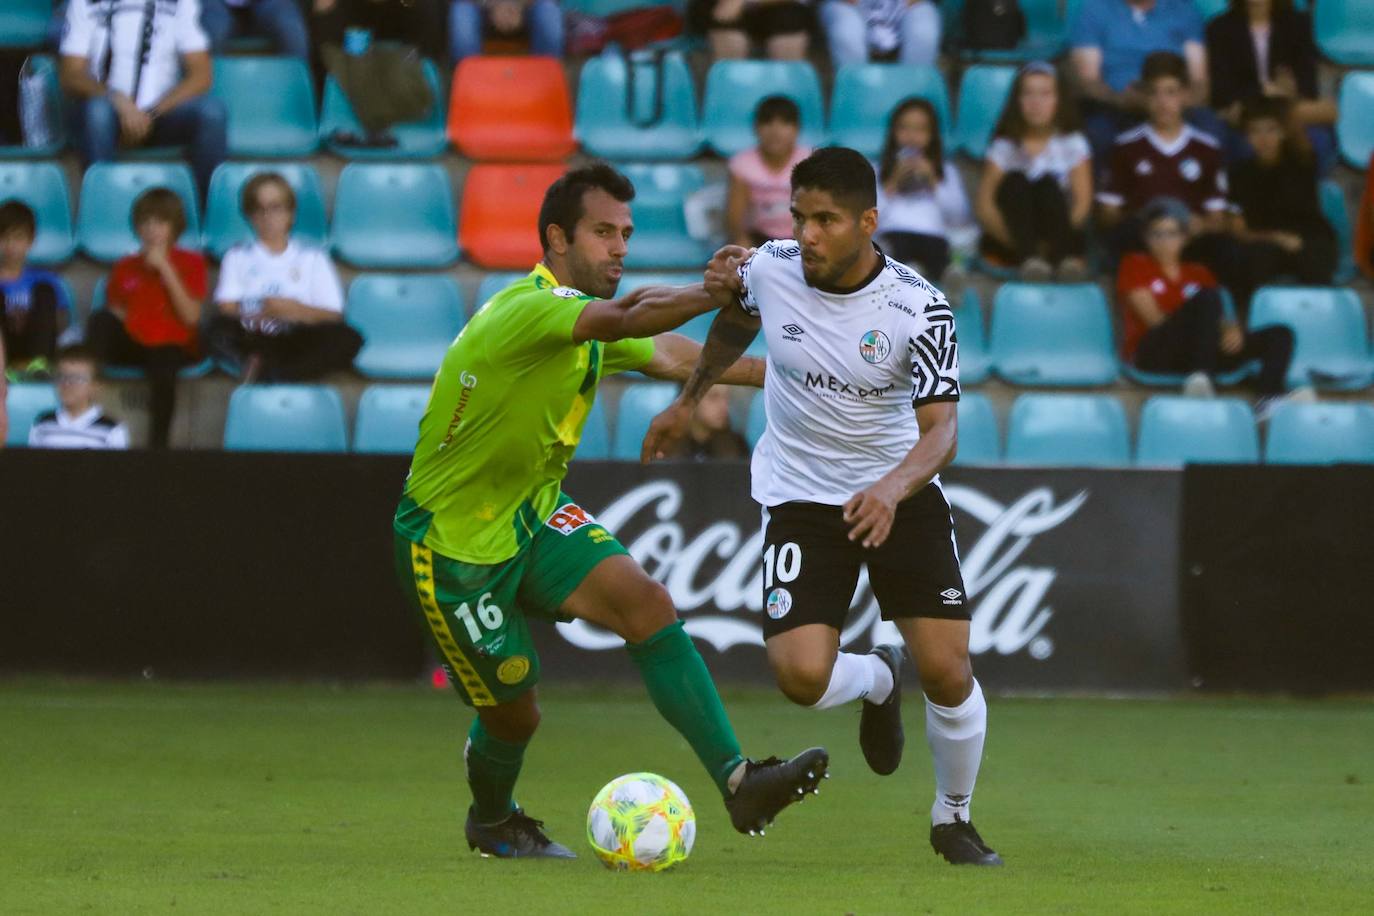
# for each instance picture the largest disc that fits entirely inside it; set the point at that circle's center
(595, 274)
(825, 270)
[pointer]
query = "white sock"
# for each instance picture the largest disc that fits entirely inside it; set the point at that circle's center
(955, 735)
(855, 677)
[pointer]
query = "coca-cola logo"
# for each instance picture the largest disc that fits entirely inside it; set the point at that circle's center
(715, 575)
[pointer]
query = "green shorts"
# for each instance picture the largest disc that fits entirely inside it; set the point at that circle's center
(476, 615)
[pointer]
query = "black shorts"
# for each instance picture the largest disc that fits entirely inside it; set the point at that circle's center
(760, 21)
(811, 568)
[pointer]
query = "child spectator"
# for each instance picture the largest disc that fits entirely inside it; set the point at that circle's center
(710, 437)
(80, 422)
(33, 303)
(1364, 225)
(733, 27)
(908, 30)
(1037, 190)
(921, 197)
(153, 306)
(759, 204)
(469, 21)
(279, 303)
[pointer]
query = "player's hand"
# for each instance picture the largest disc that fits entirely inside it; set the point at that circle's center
(667, 430)
(869, 514)
(722, 273)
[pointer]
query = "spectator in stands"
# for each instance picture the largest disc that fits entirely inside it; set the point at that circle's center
(908, 30)
(710, 436)
(1364, 225)
(733, 27)
(281, 21)
(1036, 195)
(124, 74)
(1264, 48)
(1176, 322)
(80, 422)
(4, 393)
(153, 306)
(921, 198)
(1275, 209)
(279, 303)
(417, 23)
(758, 206)
(33, 303)
(469, 21)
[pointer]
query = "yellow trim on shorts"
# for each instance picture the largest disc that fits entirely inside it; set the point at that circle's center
(422, 570)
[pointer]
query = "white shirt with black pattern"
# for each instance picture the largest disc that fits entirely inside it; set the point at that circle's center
(92, 429)
(134, 46)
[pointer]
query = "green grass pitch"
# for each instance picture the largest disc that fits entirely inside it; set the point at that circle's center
(157, 798)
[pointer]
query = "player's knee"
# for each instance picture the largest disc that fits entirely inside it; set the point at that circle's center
(803, 684)
(647, 608)
(947, 679)
(515, 722)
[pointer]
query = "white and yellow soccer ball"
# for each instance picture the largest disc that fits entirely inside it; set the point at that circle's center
(641, 822)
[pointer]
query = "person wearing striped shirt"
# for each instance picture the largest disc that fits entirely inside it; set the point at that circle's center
(80, 421)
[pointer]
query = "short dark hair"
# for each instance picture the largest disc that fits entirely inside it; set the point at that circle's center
(15, 214)
(562, 206)
(1162, 64)
(160, 203)
(844, 173)
(77, 353)
(777, 108)
(248, 198)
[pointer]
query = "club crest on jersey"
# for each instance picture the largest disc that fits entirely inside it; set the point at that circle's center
(569, 518)
(779, 603)
(567, 292)
(874, 346)
(1190, 169)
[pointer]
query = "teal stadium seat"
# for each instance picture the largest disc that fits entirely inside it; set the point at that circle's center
(1177, 430)
(1334, 209)
(865, 96)
(979, 442)
(271, 104)
(24, 23)
(1325, 433)
(24, 401)
(975, 361)
(1052, 335)
(1355, 121)
(108, 191)
(43, 187)
(982, 95)
(639, 404)
(389, 419)
(595, 444)
(285, 418)
(422, 139)
(609, 127)
(1344, 30)
(661, 238)
(407, 320)
(734, 89)
(394, 215)
(46, 69)
(225, 224)
(493, 283)
(1332, 348)
(604, 8)
(1068, 430)
(1210, 9)
(756, 421)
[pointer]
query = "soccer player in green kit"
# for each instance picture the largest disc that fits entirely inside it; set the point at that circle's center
(486, 539)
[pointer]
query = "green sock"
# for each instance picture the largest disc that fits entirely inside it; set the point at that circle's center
(493, 767)
(685, 695)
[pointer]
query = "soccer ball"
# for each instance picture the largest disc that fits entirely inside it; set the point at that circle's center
(641, 822)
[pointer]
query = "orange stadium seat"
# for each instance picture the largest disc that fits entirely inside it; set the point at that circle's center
(514, 109)
(499, 225)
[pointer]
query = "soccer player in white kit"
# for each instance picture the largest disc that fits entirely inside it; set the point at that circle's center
(857, 344)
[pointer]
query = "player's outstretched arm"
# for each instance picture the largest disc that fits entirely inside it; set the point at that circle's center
(676, 356)
(869, 513)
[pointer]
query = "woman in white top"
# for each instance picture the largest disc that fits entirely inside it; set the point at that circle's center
(280, 305)
(921, 198)
(1037, 189)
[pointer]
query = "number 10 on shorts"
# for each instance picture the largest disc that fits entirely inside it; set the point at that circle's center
(784, 560)
(488, 615)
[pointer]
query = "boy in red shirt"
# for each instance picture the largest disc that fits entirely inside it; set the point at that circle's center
(152, 305)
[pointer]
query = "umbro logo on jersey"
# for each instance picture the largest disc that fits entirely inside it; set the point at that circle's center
(793, 332)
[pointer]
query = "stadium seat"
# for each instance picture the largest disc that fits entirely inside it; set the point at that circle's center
(511, 109)
(606, 124)
(1355, 122)
(1068, 430)
(865, 96)
(271, 103)
(1332, 348)
(734, 89)
(500, 216)
(394, 215)
(604, 8)
(974, 359)
(24, 24)
(24, 401)
(1178, 430)
(407, 320)
(979, 442)
(389, 419)
(1324, 433)
(639, 404)
(108, 191)
(1057, 335)
(225, 224)
(495, 282)
(982, 94)
(421, 139)
(756, 421)
(285, 418)
(46, 69)
(1334, 209)
(43, 187)
(661, 238)
(595, 444)
(1343, 30)
(1212, 8)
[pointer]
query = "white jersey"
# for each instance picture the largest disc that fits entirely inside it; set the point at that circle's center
(250, 273)
(92, 429)
(845, 372)
(134, 46)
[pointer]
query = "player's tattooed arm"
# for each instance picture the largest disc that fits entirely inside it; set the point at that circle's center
(675, 359)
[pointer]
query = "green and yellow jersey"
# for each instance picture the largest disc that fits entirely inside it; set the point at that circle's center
(504, 417)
